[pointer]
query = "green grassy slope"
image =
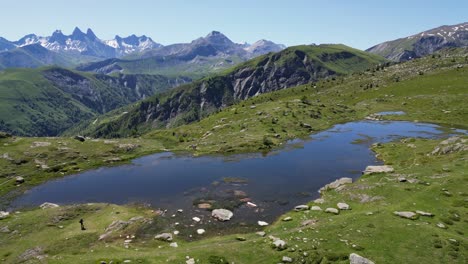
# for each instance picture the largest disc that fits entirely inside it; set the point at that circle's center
(435, 184)
(192, 102)
(428, 89)
(46, 101)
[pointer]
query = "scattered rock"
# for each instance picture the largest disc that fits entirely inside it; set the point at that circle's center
(424, 213)
(407, 215)
(164, 237)
(128, 147)
(440, 225)
(279, 244)
(222, 214)
(332, 211)
(308, 222)
(287, 219)
(343, 206)
(261, 233)
(4, 229)
(305, 125)
(251, 205)
(402, 179)
(262, 223)
(174, 244)
(319, 201)
(204, 206)
(176, 232)
(196, 219)
(4, 215)
(79, 138)
(334, 185)
(40, 144)
(19, 180)
(378, 169)
(31, 253)
(315, 208)
(286, 259)
(201, 231)
(241, 238)
(47, 205)
(190, 261)
(356, 259)
(301, 207)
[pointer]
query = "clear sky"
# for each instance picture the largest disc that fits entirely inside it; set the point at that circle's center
(357, 23)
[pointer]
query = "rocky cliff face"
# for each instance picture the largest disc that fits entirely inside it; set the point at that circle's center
(188, 103)
(423, 43)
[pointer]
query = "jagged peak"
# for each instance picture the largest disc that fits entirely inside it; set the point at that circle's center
(91, 34)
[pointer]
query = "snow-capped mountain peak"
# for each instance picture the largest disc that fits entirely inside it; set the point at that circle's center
(89, 44)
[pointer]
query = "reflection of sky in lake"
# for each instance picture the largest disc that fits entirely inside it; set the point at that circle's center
(164, 179)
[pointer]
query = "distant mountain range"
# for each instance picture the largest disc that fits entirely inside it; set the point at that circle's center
(423, 43)
(79, 47)
(197, 58)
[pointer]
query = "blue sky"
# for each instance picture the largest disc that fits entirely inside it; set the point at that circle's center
(359, 24)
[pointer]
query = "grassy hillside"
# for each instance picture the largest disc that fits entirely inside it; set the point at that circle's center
(434, 184)
(46, 101)
(188, 103)
(428, 89)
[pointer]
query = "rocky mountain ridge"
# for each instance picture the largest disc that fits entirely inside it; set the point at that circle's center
(423, 43)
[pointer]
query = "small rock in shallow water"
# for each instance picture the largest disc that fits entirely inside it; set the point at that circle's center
(196, 219)
(222, 214)
(262, 223)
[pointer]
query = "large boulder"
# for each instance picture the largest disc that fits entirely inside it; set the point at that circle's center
(222, 214)
(356, 259)
(378, 169)
(4, 215)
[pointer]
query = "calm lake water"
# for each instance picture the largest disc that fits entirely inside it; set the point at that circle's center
(276, 182)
